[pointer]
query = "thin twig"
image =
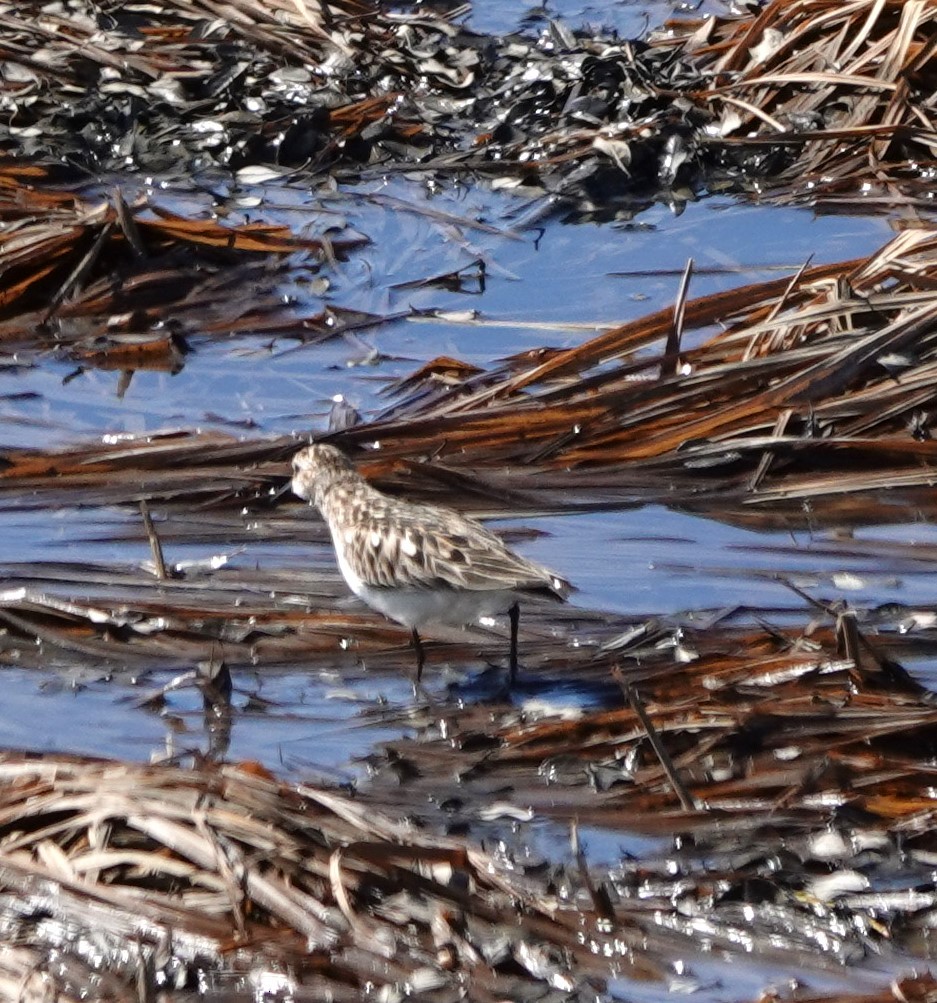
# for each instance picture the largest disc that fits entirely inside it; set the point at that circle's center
(599, 896)
(156, 548)
(668, 365)
(767, 457)
(687, 801)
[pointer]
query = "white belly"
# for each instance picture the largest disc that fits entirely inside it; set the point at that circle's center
(415, 607)
(454, 608)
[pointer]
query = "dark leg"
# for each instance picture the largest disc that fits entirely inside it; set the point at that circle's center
(515, 614)
(420, 656)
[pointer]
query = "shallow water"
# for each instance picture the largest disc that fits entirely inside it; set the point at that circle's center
(662, 561)
(552, 288)
(551, 283)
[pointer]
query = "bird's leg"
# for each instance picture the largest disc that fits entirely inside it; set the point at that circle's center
(420, 656)
(515, 614)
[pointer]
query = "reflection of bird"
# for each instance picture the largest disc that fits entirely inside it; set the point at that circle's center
(415, 563)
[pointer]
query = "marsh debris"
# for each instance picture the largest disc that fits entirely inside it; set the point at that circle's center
(782, 758)
(809, 407)
(119, 285)
(826, 101)
(600, 124)
(811, 838)
(138, 878)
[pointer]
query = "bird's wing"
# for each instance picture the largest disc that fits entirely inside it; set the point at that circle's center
(446, 550)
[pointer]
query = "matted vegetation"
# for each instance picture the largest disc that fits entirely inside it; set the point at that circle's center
(806, 746)
(834, 97)
(815, 387)
(120, 286)
(136, 875)
(819, 95)
(785, 753)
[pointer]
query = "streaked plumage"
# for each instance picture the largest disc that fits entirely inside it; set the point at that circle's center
(415, 563)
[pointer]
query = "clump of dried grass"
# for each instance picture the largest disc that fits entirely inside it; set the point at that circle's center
(818, 388)
(137, 877)
(827, 99)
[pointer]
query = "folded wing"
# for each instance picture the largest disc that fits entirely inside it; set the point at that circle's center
(446, 550)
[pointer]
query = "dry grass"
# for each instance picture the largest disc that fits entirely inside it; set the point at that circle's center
(814, 390)
(844, 90)
(131, 875)
(760, 737)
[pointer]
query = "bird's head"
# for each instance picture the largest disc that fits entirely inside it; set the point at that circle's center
(316, 468)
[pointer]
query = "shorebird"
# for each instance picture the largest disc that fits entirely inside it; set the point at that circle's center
(417, 563)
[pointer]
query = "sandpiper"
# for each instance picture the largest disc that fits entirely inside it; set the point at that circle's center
(417, 564)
